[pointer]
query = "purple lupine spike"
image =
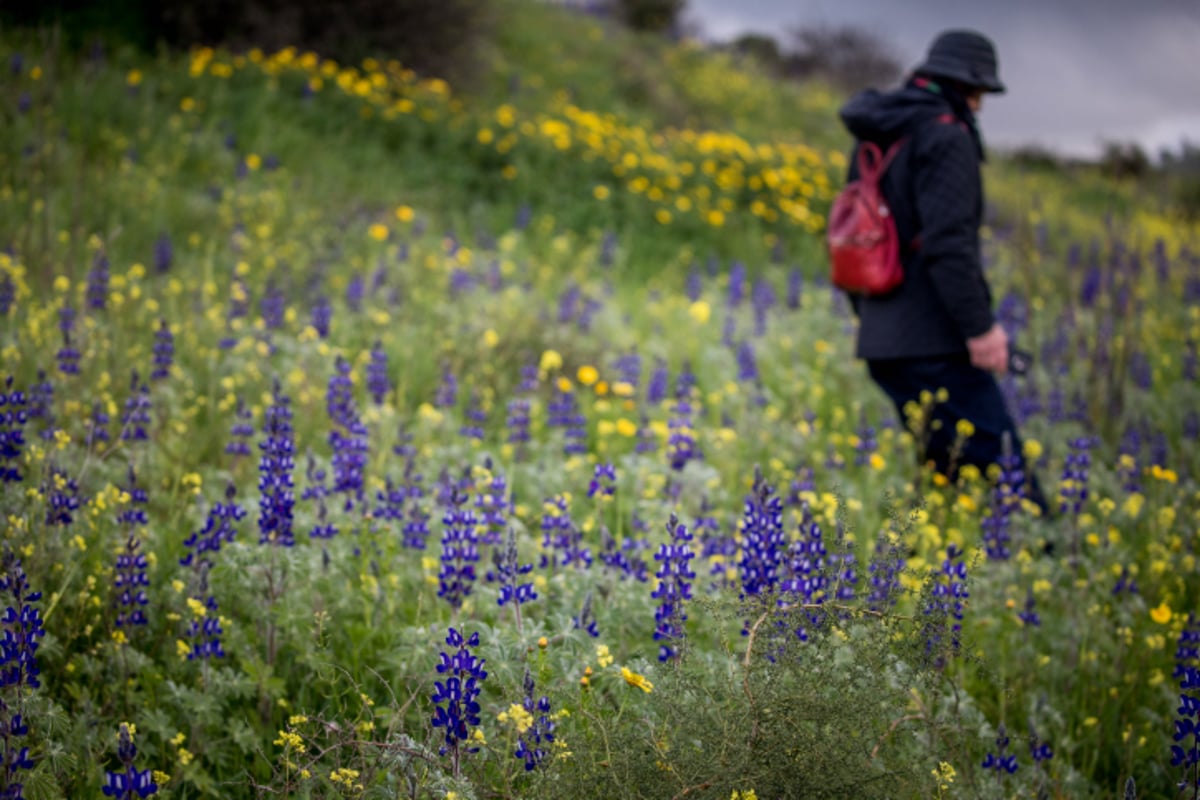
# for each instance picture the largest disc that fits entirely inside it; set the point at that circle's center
(805, 569)
(795, 289)
(762, 540)
(131, 782)
(603, 482)
(562, 541)
(241, 431)
(13, 417)
(675, 577)
(275, 469)
(532, 743)
(378, 384)
(20, 629)
(447, 392)
(460, 551)
(68, 355)
(62, 497)
(737, 283)
(164, 253)
(563, 412)
(656, 389)
(682, 447)
(348, 439)
(164, 351)
(321, 316)
(98, 283)
(944, 608)
(507, 571)
(455, 699)
(998, 761)
(763, 300)
(136, 416)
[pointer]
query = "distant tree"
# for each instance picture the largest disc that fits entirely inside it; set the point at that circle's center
(848, 56)
(763, 49)
(655, 16)
(1123, 160)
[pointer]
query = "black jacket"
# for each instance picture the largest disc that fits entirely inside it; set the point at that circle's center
(934, 190)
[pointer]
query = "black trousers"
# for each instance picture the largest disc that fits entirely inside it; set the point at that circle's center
(972, 395)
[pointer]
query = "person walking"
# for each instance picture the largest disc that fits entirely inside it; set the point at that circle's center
(936, 332)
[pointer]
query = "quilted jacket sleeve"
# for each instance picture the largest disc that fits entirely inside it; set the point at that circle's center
(949, 198)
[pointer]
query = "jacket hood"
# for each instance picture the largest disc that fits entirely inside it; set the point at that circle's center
(883, 117)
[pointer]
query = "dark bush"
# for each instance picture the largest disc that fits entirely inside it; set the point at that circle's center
(442, 38)
(763, 49)
(1124, 160)
(850, 57)
(655, 16)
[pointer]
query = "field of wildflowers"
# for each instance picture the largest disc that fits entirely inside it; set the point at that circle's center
(360, 438)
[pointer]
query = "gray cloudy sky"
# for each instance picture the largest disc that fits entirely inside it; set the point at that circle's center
(1078, 71)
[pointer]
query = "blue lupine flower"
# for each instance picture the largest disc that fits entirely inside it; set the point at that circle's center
(1125, 582)
(762, 540)
(737, 283)
(1038, 749)
(68, 355)
(456, 706)
(275, 468)
(842, 561)
(130, 582)
(322, 315)
(747, 364)
(944, 608)
(805, 568)
(21, 626)
(508, 570)
(1006, 498)
(97, 423)
(563, 412)
(447, 392)
(795, 287)
(561, 538)
(62, 497)
(762, 299)
(13, 417)
(317, 489)
(629, 367)
(8, 293)
(587, 618)
(1074, 486)
(695, 283)
(378, 384)
(348, 439)
(715, 545)
(681, 438)
(41, 405)
(998, 761)
(355, 290)
(136, 415)
(492, 505)
(531, 744)
(887, 564)
(131, 782)
(164, 254)
(675, 578)
(603, 481)
(134, 515)
(529, 379)
(272, 306)
(1029, 614)
(518, 422)
(164, 351)
(685, 381)
(656, 389)
(1185, 752)
(220, 527)
(241, 431)
(475, 419)
(568, 303)
(618, 558)
(866, 444)
(647, 441)
(460, 552)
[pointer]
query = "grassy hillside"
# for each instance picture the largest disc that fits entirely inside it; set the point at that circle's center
(309, 361)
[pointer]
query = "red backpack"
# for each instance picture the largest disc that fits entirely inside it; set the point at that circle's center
(864, 248)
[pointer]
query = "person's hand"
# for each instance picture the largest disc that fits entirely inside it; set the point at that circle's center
(989, 351)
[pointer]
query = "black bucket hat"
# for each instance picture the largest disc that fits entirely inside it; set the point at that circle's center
(964, 56)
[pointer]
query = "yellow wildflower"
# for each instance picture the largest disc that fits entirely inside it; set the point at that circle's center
(636, 680)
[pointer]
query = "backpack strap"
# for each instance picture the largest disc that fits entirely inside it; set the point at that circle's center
(872, 162)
